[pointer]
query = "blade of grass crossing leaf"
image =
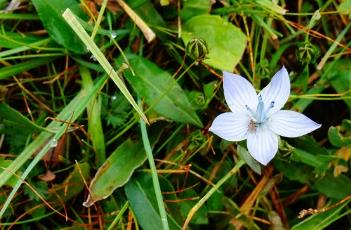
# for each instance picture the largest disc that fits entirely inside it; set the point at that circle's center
(24, 48)
(155, 180)
(77, 104)
(333, 47)
(9, 71)
(201, 202)
(15, 117)
(45, 140)
(32, 164)
(119, 216)
(77, 27)
(94, 118)
(12, 16)
(98, 21)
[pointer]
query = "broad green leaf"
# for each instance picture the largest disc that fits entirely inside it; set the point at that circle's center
(334, 187)
(321, 220)
(192, 8)
(226, 42)
(319, 162)
(160, 91)
(141, 195)
(16, 120)
(294, 171)
(345, 7)
(12, 40)
(116, 171)
(9, 71)
(340, 77)
(336, 138)
(50, 15)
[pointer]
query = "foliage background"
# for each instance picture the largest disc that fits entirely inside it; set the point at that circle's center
(69, 135)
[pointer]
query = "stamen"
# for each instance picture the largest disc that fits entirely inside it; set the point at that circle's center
(250, 110)
(272, 104)
(260, 113)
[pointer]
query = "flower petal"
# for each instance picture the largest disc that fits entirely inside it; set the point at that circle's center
(262, 144)
(278, 91)
(230, 126)
(288, 123)
(239, 92)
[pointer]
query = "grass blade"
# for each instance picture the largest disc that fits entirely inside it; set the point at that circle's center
(82, 34)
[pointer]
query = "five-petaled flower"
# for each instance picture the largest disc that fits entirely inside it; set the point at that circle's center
(259, 118)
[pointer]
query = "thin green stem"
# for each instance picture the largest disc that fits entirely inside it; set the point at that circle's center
(98, 21)
(155, 180)
(118, 217)
(201, 202)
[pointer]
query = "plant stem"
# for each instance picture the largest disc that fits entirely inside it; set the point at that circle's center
(155, 180)
(199, 204)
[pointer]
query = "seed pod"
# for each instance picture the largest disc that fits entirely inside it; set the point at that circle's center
(197, 49)
(307, 52)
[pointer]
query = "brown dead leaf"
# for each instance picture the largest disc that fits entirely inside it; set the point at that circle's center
(344, 153)
(111, 5)
(339, 169)
(48, 176)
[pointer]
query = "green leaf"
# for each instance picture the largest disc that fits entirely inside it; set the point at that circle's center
(100, 57)
(345, 7)
(50, 15)
(42, 142)
(339, 76)
(14, 40)
(192, 8)
(271, 6)
(141, 195)
(72, 185)
(116, 171)
(249, 160)
(226, 42)
(334, 187)
(294, 171)
(336, 138)
(95, 129)
(160, 91)
(201, 216)
(115, 109)
(12, 70)
(321, 220)
(319, 162)
(16, 120)
(4, 164)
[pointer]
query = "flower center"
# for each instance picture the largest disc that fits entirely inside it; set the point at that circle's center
(260, 116)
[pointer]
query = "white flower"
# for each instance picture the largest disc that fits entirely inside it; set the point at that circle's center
(259, 118)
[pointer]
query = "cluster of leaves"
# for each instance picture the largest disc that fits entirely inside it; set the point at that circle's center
(72, 151)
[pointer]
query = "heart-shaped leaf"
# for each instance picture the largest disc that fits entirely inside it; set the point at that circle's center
(226, 43)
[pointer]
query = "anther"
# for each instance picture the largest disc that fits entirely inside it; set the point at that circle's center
(272, 104)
